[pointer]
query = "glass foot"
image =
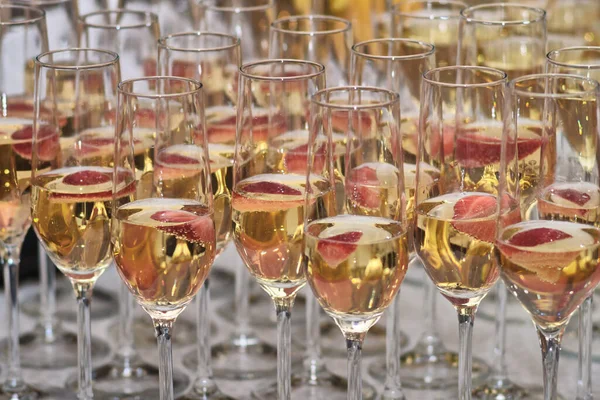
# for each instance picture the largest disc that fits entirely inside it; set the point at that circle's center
(200, 393)
(240, 358)
(374, 342)
(262, 312)
(138, 381)
(58, 352)
(422, 370)
(507, 390)
(31, 393)
(184, 332)
(104, 304)
(326, 386)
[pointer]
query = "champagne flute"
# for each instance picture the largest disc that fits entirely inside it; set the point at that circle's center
(327, 40)
(512, 38)
(460, 135)
(248, 20)
(584, 61)
(397, 64)
(212, 58)
(434, 22)
(269, 183)
(357, 257)
(71, 193)
(163, 230)
(552, 280)
(319, 38)
(243, 355)
(173, 15)
(24, 36)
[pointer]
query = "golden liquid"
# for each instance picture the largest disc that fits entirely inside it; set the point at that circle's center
(164, 264)
(442, 34)
(355, 282)
(552, 206)
(551, 279)
(374, 192)
(73, 221)
(516, 56)
(457, 254)
(268, 229)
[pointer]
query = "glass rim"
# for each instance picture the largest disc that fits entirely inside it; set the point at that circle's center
(394, 98)
(539, 95)
(424, 45)
(502, 77)
(41, 14)
(541, 14)
(396, 10)
(269, 4)
(153, 19)
(312, 17)
(162, 42)
(198, 87)
(255, 77)
(53, 65)
(573, 65)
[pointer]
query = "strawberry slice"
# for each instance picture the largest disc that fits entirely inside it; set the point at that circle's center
(473, 207)
(338, 248)
(190, 226)
(174, 158)
(475, 149)
(296, 160)
(86, 178)
(574, 196)
(47, 138)
(268, 187)
(361, 121)
(23, 109)
(537, 236)
(358, 190)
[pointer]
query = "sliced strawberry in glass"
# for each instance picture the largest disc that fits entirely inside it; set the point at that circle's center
(87, 178)
(24, 109)
(296, 159)
(279, 196)
(361, 187)
(268, 187)
(572, 195)
(476, 149)
(335, 249)
(361, 121)
(537, 236)
(179, 161)
(476, 210)
(187, 225)
(47, 141)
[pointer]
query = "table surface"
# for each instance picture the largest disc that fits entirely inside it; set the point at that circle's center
(523, 353)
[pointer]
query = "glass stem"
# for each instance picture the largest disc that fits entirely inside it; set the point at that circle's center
(499, 371)
(83, 291)
(10, 258)
(163, 330)
(242, 302)
(430, 341)
(354, 346)
(204, 383)
(393, 336)
(466, 317)
(47, 273)
(283, 308)
(125, 333)
(550, 344)
(584, 372)
(313, 362)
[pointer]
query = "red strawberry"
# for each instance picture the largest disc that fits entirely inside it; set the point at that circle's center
(268, 187)
(537, 236)
(192, 227)
(23, 109)
(475, 149)
(86, 178)
(359, 187)
(361, 121)
(473, 207)
(47, 141)
(572, 195)
(150, 67)
(296, 159)
(338, 248)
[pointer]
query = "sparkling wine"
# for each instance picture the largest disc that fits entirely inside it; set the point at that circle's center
(372, 189)
(517, 56)
(71, 212)
(443, 34)
(454, 237)
(550, 266)
(355, 266)
(268, 214)
(573, 201)
(15, 162)
(163, 250)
